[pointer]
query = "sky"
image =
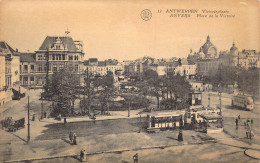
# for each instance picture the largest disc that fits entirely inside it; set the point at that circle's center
(116, 30)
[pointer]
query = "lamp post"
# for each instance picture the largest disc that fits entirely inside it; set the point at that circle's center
(220, 113)
(28, 137)
(219, 93)
(129, 109)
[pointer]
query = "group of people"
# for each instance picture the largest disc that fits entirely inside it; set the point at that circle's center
(73, 138)
(249, 133)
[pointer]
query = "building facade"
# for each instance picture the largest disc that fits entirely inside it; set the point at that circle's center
(55, 53)
(10, 72)
(95, 67)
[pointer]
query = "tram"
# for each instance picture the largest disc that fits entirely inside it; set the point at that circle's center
(243, 101)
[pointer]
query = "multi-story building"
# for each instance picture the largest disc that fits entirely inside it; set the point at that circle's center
(161, 66)
(186, 69)
(203, 66)
(2, 78)
(28, 69)
(95, 67)
(10, 67)
(245, 58)
(55, 53)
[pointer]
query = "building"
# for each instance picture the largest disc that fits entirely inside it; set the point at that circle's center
(55, 53)
(10, 79)
(95, 67)
(161, 66)
(208, 50)
(2, 78)
(203, 66)
(186, 69)
(28, 69)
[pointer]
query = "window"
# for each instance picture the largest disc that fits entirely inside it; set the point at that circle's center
(76, 67)
(63, 56)
(25, 80)
(32, 79)
(76, 58)
(32, 67)
(70, 57)
(40, 68)
(25, 67)
(53, 57)
(40, 57)
(59, 56)
(61, 66)
(44, 68)
(57, 47)
(54, 68)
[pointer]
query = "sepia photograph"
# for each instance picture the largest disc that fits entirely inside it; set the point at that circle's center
(129, 81)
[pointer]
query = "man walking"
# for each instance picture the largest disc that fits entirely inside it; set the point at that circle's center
(71, 137)
(135, 157)
(74, 139)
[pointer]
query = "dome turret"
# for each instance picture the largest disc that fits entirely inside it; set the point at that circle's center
(233, 50)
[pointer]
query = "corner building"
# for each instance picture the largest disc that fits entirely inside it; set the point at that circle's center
(59, 52)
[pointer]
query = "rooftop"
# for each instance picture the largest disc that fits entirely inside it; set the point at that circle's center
(66, 41)
(27, 57)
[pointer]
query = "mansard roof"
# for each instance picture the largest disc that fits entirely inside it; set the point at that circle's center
(66, 41)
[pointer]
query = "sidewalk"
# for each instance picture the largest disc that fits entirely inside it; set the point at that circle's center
(19, 150)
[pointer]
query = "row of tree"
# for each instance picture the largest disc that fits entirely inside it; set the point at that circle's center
(64, 89)
(172, 89)
(247, 81)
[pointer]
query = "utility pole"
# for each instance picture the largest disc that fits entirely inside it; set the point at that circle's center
(28, 137)
(209, 99)
(220, 103)
(129, 110)
(42, 108)
(88, 85)
(47, 71)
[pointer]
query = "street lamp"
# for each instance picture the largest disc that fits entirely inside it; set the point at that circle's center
(28, 137)
(219, 93)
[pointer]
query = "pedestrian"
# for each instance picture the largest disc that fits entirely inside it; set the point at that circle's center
(236, 122)
(65, 120)
(135, 157)
(252, 121)
(180, 136)
(33, 118)
(45, 114)
(74, 139)
(238, 116)
(247, 134)
(82, 155)
(250, 134)
(71, 137)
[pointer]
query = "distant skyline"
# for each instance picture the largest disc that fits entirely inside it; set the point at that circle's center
(116, 30)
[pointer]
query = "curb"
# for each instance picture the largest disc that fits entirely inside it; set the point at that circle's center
(249, 155)
(110, 151)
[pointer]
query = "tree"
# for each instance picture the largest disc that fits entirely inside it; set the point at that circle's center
(224, 75)
(107, 91)
(177, 89)
(63, 90)
(248, 81)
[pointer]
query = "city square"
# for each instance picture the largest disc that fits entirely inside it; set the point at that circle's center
(123, 82)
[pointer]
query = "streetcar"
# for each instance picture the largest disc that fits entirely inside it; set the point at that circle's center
(165, 120)
(243, 101)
